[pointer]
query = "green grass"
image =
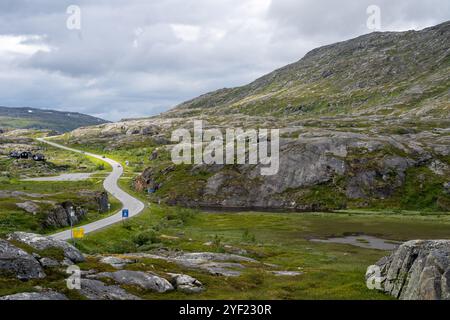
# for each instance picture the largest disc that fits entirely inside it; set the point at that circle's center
(14, 219)
(331, 271)
(422, 191)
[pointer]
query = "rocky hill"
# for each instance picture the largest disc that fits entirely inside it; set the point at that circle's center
(31, 118)
(364, 123)
(391, 73)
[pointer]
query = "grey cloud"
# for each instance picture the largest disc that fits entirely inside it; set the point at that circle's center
(330, 18)
(101, 71)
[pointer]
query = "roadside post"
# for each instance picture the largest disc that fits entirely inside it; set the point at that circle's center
(125, 214)
(71, 216)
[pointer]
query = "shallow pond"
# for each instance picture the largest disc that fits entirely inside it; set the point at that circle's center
(363, 241)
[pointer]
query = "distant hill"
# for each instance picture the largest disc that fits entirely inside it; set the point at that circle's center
(381, 73)
(31, 118)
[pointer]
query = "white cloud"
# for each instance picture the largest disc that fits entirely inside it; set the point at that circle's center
(186, 32)
(216, 34)
(23, 44)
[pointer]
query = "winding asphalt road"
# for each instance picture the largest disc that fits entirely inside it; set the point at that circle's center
(129, 202)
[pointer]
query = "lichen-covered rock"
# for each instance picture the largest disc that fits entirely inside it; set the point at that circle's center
(29, 207)
(417, 270)
(219, 264)
(186, 283)
(97, 290)
(45, 295)
(115, 262)
(19, 263)
(39, 242)
(141, 279)
(49, 262)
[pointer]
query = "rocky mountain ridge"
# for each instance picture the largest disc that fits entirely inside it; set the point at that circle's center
(384, 73)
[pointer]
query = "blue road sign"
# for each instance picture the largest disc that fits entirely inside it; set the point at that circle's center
(125, 213)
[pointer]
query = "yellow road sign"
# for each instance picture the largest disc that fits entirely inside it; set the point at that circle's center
(78, 233)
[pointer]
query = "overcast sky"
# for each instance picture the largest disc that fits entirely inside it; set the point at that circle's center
(141, 57)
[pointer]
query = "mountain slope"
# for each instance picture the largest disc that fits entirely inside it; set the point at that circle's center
(389, 73)
(363, 124)
(31, 118)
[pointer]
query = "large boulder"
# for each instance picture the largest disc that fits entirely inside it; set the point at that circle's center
(59, 216)
(141, 279)
(40, 243)
(19, 263)
(45, 295)
(417, 270)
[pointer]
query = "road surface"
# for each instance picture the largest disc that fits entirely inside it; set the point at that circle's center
(134, 205)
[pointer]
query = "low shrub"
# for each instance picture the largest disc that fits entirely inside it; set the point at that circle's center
(145, 237)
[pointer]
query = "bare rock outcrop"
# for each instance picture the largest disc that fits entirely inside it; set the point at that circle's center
(36, 296)
(116, 262)
(141, 279)
(29, 207)
(355, 166)
(97, 290)
(219, 264)
(186, 283)
(417, 270)
(19, 263)
(39, 242)
(59, 216)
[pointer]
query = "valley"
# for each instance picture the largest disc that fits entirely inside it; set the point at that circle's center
(364, 158)
(281, 243)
